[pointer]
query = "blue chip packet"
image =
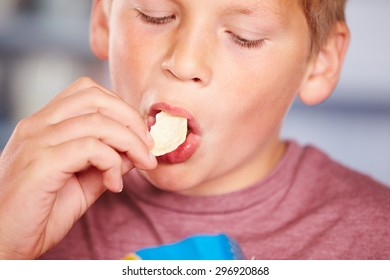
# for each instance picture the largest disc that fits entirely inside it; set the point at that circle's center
(197, 247)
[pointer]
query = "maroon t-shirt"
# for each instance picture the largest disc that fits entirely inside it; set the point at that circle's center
(309, 207)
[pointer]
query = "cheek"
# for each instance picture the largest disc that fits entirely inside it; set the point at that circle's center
(260, 92)
(267, 84)
(256, 97)
(132, 60)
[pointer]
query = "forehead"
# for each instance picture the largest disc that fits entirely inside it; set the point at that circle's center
(280, 12)
(277, 9)
(255, 6)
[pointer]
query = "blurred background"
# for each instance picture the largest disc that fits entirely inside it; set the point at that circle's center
(44, 47)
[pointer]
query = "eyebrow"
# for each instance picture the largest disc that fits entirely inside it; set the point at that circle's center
(237, 10)
(258, 10)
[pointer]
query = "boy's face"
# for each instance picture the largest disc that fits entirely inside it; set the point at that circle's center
(233, 66)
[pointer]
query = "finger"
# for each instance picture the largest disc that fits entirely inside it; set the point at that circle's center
(88, 180)
(76, 156)
(81, 84)
(106, 130)
(74, 88)
(93, 100)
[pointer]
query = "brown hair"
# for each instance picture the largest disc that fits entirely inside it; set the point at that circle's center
(322, 16)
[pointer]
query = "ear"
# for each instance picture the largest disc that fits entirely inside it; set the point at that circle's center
(325, 67)
(99, 30)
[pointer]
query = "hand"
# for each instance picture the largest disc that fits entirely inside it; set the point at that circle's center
(60, 160)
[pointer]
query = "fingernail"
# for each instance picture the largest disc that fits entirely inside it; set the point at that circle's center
(152, 158)
(120, 189)
(149, 139)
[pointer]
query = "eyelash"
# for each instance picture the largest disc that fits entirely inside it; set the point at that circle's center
(156, 20)
(249, 44)
(245, 43)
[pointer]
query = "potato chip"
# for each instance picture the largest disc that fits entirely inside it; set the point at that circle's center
(168, 133)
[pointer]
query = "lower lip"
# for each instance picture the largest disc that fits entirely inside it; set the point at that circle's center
(183, 152)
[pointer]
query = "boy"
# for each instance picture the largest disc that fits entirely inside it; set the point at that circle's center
(232, 69)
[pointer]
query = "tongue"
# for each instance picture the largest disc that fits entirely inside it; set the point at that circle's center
(168, 133)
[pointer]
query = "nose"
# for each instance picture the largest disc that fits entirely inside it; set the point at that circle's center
(189, 57)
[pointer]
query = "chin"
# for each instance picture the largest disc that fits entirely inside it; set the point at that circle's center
(164, 178)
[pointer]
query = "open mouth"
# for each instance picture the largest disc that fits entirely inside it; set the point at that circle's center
(151, 120)
(192, 125)
(192, 141)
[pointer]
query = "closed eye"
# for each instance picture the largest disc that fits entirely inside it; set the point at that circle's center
(155, 20)
(245, 43)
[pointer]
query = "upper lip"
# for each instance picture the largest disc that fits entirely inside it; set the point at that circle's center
(174, 111)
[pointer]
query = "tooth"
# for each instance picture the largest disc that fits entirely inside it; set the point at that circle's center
(168, 133)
